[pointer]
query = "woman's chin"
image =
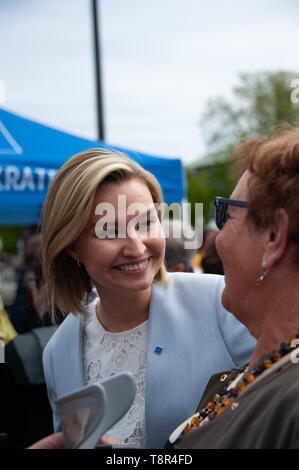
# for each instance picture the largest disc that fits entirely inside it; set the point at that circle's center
(142, 285)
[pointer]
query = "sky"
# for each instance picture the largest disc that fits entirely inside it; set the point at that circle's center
(161, 60)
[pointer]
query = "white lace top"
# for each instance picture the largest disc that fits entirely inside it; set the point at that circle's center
(106, 354)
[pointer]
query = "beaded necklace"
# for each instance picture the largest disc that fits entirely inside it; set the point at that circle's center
(228, 394)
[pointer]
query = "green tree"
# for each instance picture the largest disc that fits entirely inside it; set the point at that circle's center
(204, 186)
(260, 101)
(10, 237)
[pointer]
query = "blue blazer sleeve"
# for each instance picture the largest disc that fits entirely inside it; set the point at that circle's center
(62, 362)
(198, 338)
(50, 381)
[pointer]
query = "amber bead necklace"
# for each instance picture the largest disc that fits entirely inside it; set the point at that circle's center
(228, 394)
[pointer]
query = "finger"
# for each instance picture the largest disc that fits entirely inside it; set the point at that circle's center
(110, 441)
(54, 441)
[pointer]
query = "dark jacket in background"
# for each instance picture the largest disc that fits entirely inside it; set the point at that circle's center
(25, 413)
(22, 312)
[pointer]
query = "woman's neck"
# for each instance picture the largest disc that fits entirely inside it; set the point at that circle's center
(281, 321)
(122, 311)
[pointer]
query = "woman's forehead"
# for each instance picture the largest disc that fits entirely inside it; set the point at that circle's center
(123, 201)
(241, 190)
(130, 188)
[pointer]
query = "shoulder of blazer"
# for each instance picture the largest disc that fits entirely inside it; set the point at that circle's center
(68, 331)
(63, 339)
(62, 355)
(190, 282)
(190, 288)
(184, 292)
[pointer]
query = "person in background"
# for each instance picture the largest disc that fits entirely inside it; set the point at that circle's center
(210, 261)
(29, 418)
(22, 313)
(1, 257)
(28, 312)
(7, 331)
(94, 236)
(257, 406)
(178, 255)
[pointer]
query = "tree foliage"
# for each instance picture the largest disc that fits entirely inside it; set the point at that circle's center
(260, 101)
(10, 237)
(204, 186)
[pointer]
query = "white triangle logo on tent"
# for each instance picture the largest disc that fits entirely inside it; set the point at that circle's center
(13, 147)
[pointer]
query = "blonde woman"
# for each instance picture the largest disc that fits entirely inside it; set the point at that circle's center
(138, 318)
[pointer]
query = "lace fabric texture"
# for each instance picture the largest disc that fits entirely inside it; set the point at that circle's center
(106, 354)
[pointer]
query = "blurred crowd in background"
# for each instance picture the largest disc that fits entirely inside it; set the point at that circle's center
(21, 283)
(25, 328)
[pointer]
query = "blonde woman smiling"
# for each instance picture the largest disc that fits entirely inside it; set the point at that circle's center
(142, 319)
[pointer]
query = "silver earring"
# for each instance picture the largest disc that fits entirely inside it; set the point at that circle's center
(264, 273)
(79, 263)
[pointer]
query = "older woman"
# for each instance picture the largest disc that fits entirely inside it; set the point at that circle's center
(257, 406)
(141, 319)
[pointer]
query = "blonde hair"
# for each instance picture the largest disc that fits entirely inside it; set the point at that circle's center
(66, 213)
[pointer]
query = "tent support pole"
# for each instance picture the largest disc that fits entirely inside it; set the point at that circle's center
(98, 81)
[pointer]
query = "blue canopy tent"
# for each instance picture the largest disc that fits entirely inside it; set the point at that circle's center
(31, 154)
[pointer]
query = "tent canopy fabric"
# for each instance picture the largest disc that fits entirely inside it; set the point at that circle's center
(31, 154)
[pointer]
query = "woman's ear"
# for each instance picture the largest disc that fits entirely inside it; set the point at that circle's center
(276, 239)
(72, 252)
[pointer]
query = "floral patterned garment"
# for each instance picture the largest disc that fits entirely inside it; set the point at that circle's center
(106, 354)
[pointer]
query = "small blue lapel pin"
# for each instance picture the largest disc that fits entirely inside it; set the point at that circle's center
(158, 350)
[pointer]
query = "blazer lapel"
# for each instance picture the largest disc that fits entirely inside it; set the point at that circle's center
(68, 357)
(157, 348)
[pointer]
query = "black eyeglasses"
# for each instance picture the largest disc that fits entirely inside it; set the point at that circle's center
(221, 205)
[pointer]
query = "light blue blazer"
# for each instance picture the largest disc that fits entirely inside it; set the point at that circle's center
(197, 335)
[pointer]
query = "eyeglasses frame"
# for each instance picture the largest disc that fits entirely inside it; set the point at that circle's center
(224, 202)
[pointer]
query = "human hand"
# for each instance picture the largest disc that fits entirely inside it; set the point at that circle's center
(110, 441)
(54, 441)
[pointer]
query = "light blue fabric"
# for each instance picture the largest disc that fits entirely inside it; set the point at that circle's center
(197, 336)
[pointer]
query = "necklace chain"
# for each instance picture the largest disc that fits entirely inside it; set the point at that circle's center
(230, 392)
